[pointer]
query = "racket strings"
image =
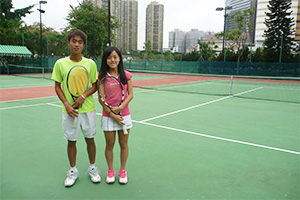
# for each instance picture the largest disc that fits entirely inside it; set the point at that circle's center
(78, 81)
(111, 91)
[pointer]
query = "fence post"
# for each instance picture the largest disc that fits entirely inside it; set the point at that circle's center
(280, 55)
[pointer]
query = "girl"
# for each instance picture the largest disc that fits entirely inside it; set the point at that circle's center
(112, 65)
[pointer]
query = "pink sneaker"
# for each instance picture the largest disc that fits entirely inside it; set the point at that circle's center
(110, 176)
(123, 177)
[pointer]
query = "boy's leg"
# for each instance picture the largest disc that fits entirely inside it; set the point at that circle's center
(71, 135)
(91, 149)
(72, 151)
(93, 170)
(72, 173)
(88, 123)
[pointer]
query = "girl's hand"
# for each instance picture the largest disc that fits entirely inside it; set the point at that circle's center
(118, 118)
(116, 109)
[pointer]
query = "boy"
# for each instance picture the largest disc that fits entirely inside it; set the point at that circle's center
(86, 112)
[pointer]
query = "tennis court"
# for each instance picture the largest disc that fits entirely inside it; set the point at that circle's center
(193, 137)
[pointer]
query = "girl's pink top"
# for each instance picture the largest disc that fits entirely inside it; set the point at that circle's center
(125, 110)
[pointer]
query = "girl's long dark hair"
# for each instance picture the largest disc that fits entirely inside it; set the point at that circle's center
(104, 67)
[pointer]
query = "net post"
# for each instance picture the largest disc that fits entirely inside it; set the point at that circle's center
(230, 88)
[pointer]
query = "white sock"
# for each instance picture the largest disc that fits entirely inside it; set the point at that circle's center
(92, 166)
(74, 169)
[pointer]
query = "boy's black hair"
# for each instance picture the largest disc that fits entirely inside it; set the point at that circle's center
(104, 67)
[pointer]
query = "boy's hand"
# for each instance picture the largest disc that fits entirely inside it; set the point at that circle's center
(71, 110)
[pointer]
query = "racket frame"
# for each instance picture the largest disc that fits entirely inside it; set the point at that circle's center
(73, 96)
(122, 99)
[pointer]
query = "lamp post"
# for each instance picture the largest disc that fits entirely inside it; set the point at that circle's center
(108, 11)
(41, 32)
(94, 21)
(225, 16)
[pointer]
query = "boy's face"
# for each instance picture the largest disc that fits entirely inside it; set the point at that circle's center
(76, 45)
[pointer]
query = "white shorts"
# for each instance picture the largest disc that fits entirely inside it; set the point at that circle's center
(108, 124)
(87, 122)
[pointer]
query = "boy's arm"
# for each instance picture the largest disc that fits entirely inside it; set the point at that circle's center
(70, 110)
(80, 100)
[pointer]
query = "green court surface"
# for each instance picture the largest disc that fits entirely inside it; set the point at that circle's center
(201, 144)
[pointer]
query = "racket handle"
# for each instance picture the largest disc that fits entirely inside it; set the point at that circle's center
(124, 130)
(75, 122)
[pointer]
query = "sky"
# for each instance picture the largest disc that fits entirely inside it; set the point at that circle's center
(185, 15)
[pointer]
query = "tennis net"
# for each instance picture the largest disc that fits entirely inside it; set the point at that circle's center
(284, 89)
(28, 71)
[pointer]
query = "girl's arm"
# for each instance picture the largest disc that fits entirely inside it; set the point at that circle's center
(128, 98)
(119, 119)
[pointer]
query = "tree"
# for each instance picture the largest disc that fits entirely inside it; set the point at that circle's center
(148, 48)
(94, 22)
(258, 55)
(279, 30)
(208, 50)
(192, 56)
(240, 35)
(10, 22)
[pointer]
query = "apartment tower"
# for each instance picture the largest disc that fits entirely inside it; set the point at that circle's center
(154, 25)
(126, 13)
(262, 8)
(240, 5)
(177, 40)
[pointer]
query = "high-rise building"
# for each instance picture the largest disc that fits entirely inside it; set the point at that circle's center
(262, 8)
(184, 42)
(297, 37)
(130, 25)
(193, 36)
(177, 40)
(240, 5)
(125, 12)
(154, 25)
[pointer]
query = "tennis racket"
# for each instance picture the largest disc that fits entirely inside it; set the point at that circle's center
(78, 81)
(111, 93)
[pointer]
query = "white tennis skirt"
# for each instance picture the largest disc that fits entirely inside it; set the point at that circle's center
(108, 124)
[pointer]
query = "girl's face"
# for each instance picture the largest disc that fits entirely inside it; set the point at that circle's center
(113, 60)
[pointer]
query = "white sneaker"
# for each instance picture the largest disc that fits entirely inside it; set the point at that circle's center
(72, 176)
(123, 177)
(95, 177)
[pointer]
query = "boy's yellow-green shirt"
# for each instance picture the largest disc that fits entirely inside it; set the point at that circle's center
(60, 73)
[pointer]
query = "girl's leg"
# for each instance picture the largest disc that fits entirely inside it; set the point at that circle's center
(123, 141)
(110, 137)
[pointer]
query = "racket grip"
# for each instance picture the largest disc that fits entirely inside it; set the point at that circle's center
(124, 130)
(75, 122)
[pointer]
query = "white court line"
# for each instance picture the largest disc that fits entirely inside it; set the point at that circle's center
(23, 106)
(199, 105)
(218, 138)
(142, 90)
(27, 106)
(55, 105)
(27, 99)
